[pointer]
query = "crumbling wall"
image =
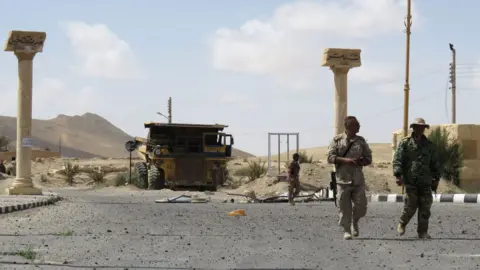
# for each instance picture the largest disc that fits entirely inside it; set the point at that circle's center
(469, 138)
(36, 153)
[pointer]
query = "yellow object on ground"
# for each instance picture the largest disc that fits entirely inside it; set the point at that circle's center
(236, 213)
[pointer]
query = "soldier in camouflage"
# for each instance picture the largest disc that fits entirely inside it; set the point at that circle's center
(293, 179)
(350, 152)
(416, 166)
(11, 168)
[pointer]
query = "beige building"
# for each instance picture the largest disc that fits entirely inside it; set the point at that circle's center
(36, 153)
(469, 137)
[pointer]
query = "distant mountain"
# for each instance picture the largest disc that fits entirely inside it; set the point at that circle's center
(85, 136)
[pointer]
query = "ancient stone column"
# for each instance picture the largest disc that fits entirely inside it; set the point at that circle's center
(25, 46)
(340, 62)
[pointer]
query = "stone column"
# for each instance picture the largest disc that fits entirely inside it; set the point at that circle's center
(340, 62)
(25, 46)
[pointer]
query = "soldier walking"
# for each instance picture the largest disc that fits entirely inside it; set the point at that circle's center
(350, 152)
(416, 166)
(293, 179)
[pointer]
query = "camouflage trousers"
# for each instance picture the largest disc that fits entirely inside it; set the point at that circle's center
(421, 199)
(293, 187)
(352, 202)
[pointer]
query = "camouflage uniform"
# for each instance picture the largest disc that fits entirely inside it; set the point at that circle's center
(417, 164)
(293, 180)
(11, 168)
(350, 179)
(2, 167)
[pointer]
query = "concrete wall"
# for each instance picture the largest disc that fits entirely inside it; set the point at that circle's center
(36, 153)
(469, 137)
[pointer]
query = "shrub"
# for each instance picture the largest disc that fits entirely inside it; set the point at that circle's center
(121, 179)
(303, 158)
(450, 155)
(98, 176)
(255, 170)
(4, 143)
(69, 171)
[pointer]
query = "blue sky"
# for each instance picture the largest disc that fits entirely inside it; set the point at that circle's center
(254, 65)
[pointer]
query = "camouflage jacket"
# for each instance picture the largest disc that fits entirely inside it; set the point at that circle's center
(293, 169)
(416, 162)
(11, 168)
(349, 174)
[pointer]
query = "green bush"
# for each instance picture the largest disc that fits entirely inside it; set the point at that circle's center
(70, 171)
(98, 176)
(255, 170)
(4, 143)
(450, 155)
(121, 179)
(303, 158)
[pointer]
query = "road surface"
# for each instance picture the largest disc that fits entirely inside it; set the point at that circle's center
(127, 230)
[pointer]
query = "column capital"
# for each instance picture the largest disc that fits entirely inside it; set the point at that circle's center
(341, 58)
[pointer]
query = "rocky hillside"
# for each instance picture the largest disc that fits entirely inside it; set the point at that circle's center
(85, 136)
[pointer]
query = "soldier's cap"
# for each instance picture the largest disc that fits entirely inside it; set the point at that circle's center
(419, 122)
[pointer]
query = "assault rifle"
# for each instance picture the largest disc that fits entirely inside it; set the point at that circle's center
(333, 177)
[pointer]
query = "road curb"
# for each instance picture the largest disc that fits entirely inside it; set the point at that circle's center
(398, 198)
(52, 198)
(438, 198)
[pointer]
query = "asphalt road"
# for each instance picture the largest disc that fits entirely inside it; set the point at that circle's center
(128, 230)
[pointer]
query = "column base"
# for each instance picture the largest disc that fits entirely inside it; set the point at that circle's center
(23, 191)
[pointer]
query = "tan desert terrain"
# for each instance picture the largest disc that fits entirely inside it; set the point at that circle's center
(96, 143)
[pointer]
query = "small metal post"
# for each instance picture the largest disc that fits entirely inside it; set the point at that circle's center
(298, 142)
(278, 153)
(130, 169)
(288, 148)
(269, 153)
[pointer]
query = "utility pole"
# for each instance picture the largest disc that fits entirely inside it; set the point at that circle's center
(408, 24)
(453, 82)
(169, 110)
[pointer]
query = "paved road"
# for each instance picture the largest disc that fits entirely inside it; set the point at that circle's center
(126, 230)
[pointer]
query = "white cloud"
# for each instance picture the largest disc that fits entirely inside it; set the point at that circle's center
(101, 52)
(288, 47)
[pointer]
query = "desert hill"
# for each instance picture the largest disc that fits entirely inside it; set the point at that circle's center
(85, 136)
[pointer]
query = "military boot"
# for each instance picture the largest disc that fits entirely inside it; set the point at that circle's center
(355, 228)
(401, 229)
(424, 235)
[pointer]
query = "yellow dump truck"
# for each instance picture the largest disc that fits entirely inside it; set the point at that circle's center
(183, 155)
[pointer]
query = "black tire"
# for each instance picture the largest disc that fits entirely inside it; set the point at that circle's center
(156, 178)
(142, 173)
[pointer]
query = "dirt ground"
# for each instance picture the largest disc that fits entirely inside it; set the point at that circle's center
(312, 175)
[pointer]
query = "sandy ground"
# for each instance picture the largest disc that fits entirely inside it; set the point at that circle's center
(312, 175)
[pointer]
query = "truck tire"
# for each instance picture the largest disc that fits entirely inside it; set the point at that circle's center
(142, 173)
(156, 178)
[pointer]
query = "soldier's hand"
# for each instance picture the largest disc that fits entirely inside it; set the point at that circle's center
(350, 161)
(399, 181)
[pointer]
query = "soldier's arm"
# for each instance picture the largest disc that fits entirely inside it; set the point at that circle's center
(290, 168)
(435, 167)
(397, 162)
(332, 152)
(367, 154)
